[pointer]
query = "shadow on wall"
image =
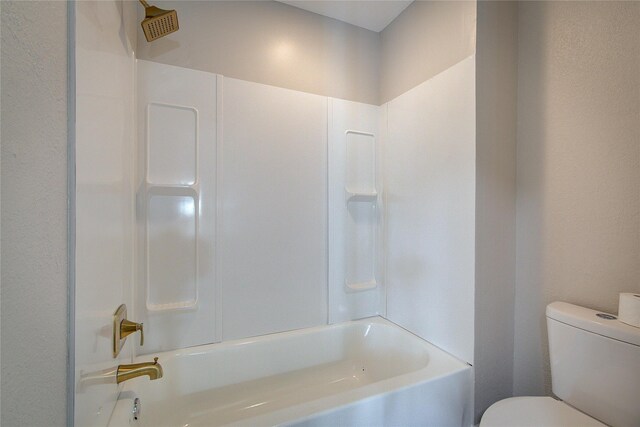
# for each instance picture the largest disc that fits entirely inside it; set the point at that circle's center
(530, 347)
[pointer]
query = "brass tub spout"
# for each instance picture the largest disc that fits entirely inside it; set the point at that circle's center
(152, 369)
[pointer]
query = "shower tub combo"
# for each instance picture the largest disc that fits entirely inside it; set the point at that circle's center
(368, 372)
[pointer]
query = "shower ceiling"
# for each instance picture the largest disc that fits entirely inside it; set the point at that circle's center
(372, 15)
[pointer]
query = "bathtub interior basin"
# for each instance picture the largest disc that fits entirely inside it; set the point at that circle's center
(281, 378)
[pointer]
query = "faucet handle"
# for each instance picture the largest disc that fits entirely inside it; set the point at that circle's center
(127, 327)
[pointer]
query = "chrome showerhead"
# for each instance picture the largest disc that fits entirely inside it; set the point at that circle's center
(158, 22)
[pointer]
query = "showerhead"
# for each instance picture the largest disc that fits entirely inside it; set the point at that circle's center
(158, 22)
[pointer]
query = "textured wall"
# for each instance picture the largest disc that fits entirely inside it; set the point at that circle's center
(578, 160)
(427, 38)
(34, 213)
(272, 43)
(496, 86)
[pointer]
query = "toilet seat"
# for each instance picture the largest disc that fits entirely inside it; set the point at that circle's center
(535, 412)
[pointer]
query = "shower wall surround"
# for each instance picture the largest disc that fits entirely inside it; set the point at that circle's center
(296, 243)
(304, 187)
(242, 167)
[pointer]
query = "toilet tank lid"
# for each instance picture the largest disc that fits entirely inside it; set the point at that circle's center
(587, 319)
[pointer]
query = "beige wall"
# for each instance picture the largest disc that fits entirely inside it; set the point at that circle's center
(277, 44)
(578, 160)
(34, 213)
(272, 43)
(496, 87)
(425, 39)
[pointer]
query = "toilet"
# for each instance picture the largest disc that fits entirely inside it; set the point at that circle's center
(595, 371)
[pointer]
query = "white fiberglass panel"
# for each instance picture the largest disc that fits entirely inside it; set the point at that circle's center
(272, 241)
(355, 211)
(172, 144)
(177, 132)
(429, 182)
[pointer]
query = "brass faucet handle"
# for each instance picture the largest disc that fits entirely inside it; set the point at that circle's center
(127, 327)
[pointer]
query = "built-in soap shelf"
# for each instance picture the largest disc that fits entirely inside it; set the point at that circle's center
(174, 306)
(360, 196)
(361, 286)
(172, 190)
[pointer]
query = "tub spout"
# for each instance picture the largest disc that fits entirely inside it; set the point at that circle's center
(152, 369)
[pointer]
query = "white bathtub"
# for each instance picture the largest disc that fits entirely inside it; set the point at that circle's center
(364, 373)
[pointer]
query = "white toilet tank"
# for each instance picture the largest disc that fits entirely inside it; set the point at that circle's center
(595, 363)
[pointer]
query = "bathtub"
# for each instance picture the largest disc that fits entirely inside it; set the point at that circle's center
(368, 372)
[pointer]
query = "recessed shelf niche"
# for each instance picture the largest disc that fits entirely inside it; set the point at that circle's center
(354, 212)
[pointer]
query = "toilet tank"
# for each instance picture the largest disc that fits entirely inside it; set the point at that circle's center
(595, 363)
